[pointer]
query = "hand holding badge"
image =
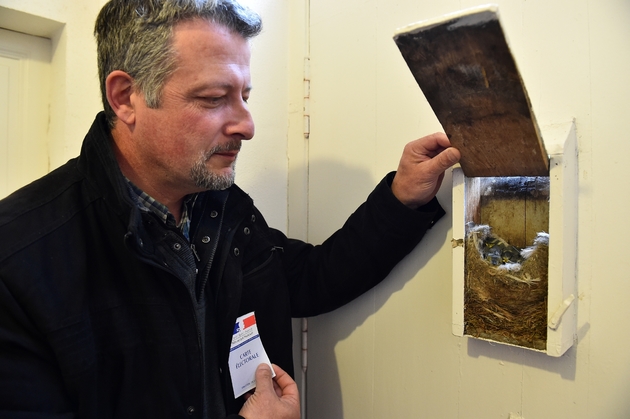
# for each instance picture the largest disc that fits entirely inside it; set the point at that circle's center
(246, 353)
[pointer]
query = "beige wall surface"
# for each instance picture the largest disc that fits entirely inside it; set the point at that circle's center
(391, 353)
(75, 96)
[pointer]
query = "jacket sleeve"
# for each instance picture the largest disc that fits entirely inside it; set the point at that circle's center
(30, 383)
(359, 255)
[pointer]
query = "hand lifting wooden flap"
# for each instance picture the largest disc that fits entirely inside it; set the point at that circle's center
(465, 68)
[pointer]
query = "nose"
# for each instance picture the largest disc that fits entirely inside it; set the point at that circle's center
(242, 124)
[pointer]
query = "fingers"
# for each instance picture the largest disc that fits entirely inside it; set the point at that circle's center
(431, 144)
(281, 384)
(276, 398)
(421, 169)
(287, 386)
(445, 159)
(264, 378)
(437, 149)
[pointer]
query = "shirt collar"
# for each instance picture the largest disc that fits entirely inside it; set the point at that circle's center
(147, 203)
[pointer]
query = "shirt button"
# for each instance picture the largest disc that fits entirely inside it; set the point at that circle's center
(190, 410)
(253, 218)
(205, 240)
(214, 214)
(246, 231)
(236, 251)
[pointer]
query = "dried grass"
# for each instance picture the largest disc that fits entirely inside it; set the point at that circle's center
(506, 303)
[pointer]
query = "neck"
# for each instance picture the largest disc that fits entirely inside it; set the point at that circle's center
(131, 169)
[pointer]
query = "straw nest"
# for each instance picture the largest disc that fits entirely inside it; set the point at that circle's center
(506, 302)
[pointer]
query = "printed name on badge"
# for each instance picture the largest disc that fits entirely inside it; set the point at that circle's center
(246, 353)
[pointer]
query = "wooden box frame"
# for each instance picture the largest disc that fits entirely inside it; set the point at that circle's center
(561, 144)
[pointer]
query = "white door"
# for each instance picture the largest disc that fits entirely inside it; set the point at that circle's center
(25, 66)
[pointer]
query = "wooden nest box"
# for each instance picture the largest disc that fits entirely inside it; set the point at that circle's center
(514, 196)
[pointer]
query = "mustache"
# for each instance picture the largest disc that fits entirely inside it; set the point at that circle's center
(222, 148)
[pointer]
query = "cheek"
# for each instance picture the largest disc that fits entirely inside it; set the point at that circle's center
(182, 136)
(170, 133)
(201, 133)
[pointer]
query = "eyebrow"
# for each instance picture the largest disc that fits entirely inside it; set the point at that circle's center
(225, 86)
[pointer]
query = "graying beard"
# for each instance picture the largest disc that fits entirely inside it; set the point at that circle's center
(209, 181)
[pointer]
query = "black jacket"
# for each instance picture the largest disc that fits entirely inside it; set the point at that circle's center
(98, 317)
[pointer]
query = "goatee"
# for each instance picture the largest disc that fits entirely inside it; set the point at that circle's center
(207, 180)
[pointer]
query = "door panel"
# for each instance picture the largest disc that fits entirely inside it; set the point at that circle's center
(25, 66)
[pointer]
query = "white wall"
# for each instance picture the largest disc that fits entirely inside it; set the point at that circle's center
(391, 352)
(75, 96)
(263, 162)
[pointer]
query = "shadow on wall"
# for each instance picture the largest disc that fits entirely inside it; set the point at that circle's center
(565, 366)
(345, 193)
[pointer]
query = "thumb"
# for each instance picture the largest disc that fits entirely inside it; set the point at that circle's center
(264, 378)
(445, 159)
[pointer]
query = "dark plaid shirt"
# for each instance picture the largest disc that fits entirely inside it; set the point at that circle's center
(148, 203)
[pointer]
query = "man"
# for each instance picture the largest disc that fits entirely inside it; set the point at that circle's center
(122, 273)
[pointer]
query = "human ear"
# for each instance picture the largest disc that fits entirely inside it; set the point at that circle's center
(119, 88)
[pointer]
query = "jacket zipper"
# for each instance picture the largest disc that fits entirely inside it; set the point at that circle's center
(204, 282)
(166, 268)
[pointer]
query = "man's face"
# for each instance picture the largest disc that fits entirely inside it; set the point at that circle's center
(190, 143)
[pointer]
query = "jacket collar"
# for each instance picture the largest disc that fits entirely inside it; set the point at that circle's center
(99, 165)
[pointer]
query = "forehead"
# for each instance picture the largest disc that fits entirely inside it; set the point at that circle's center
(200, 40)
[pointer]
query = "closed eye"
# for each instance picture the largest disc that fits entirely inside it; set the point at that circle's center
(211, 101)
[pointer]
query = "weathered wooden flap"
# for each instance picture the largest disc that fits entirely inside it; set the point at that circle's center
(464, 66)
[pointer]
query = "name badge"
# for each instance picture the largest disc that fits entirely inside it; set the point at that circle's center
(246, 353)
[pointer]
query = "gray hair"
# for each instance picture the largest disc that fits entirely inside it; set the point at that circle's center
(135, 36)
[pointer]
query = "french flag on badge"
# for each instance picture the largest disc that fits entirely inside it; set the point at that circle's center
(247, 323)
